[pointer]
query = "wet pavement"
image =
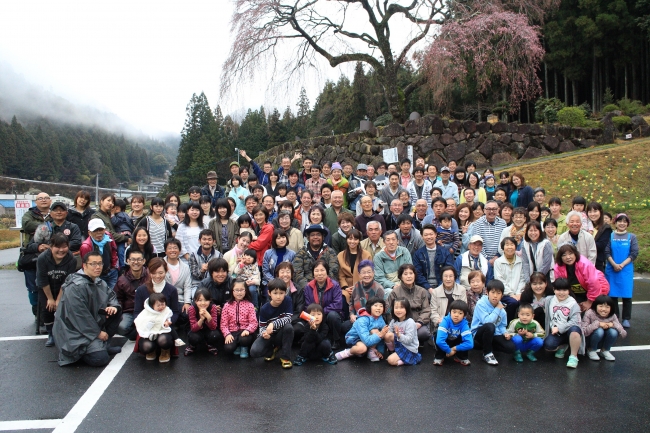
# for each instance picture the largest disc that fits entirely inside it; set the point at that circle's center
(209, 393)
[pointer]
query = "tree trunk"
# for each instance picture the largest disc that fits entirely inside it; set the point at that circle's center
(504, 116)
(635, 84)
(574, 88)
(528, 110)
(555, 91)
(625, 79)
(566, 91)
(601, 89)
(594, 68)
(546, 79)
(607, 83)
(392, 92)
(479, 111)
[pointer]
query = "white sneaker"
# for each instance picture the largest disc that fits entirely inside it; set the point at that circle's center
(178, 342)
(593, 355)
(438, 362)
(343, 354)
(490, 359)
(607, 355)
(372, 355)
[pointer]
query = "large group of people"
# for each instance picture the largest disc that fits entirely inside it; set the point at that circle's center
(332, 263)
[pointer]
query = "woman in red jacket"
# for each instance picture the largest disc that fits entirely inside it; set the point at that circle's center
(263, 241)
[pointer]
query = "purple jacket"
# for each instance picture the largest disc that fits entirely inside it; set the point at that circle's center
(332, 299)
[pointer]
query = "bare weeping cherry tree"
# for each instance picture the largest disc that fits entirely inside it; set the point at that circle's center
(265, 30)
(290, 35)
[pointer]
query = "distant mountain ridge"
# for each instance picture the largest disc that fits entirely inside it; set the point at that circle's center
(31, 103)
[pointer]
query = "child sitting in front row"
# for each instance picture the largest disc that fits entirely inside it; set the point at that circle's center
(527, 334)
(454, 336)
(403, 335)
(203, 315)
(563, 323)
(238, 320)
(275, 330)
(602, 327)
(489, 324)
(367, 333)
(155, 319)
(447, 238)
(315, 344)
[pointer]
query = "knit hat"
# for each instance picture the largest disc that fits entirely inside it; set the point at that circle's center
(337, 166)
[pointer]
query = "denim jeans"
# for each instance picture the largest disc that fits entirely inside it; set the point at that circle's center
(603, 339)
(552, 342)
(30, 283)
(254, 296)
(110, 278)
(126, 327)
(121, 249)
(533, 344)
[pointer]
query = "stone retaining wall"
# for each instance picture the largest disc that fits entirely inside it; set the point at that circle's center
(440, 140)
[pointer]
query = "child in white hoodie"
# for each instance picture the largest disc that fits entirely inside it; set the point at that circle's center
(155, 319)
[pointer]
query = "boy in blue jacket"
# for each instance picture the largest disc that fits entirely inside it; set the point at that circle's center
(489, 324)
(367, 333)
(454, 336)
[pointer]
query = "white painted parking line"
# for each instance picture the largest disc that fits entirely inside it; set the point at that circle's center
(638, 302)
(626, 348)
(29, 425)
(25, 337)
(80, 411)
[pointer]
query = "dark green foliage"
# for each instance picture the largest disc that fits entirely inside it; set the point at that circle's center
(622, 123)
(45, 150)
(631, 108)
(609, 108)
(546, 109)
(572, 116)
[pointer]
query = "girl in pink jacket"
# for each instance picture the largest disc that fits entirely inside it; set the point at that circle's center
(238, 320)
(587, 283)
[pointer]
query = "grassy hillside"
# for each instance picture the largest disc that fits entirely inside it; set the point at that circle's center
(617, 177)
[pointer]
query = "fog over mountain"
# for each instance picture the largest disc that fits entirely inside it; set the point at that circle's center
(29, 102)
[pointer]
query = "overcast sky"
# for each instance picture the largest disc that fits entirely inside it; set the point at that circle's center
(141, 60)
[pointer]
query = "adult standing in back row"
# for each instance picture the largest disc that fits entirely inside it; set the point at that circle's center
(489, 227)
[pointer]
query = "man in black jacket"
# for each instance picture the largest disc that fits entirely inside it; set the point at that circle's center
(59, 224)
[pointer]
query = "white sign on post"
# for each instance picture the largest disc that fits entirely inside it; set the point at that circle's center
(409, 155)
(390, 155)
(21, 207)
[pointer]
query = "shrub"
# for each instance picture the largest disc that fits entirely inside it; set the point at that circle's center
(622, 123)
(546, 109)
(609, 108)
(586, 108)
(572, 116)
(593, 124)
(384, 119)
(631, 108)
(608, 96)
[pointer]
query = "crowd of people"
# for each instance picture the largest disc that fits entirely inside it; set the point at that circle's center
(332, 263)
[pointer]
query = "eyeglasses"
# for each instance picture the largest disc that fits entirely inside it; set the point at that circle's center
(95, 264)
(239, 290)
(136, 260)
(43, 199)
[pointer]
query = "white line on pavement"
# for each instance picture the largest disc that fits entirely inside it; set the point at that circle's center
(625, 348)
(29, 425)
(80, 411)
(26, 337)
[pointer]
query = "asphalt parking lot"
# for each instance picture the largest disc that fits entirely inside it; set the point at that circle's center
(209, 393)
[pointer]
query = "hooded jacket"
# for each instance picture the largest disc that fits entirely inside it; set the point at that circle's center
(117, 237)
(77, 322)
(220, 292)
(32, 218)
(590, 278)
(423, 265)
(150, 321)
(361, 328)
(386, 268)
(171, 298)
(126, 286)
(48, 273)
(332, 299)
(88, 246)
(80, 219)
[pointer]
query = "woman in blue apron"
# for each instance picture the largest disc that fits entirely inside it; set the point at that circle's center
(621, 253)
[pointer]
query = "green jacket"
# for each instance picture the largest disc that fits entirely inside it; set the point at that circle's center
(332, 219)
(386, 268)
(117, 237)
(303, 263)
(32, 219)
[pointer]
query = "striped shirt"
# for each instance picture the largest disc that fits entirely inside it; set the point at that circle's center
(157, 233)
(490, 232)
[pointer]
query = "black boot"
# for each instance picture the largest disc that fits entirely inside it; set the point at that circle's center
(50, 337)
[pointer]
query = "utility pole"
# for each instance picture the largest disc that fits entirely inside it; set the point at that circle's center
(97, 190)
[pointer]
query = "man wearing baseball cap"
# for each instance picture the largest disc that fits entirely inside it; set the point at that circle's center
(59, 224)
(471, 260)
(101, 242)
(449, 188)
(212, 190)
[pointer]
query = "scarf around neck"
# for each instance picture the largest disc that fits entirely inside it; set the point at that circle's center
(100, 245)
